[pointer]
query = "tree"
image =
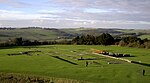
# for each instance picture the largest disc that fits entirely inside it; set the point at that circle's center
(105, 39)
(76, 40)
(122, 43)
(147, 44)
(89, 40)
(132, 42)
(18, 41)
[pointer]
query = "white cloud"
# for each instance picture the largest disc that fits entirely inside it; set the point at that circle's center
(51, 10)
(7, 11)
(95, 10)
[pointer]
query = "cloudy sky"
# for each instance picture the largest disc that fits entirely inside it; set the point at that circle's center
(75, 13)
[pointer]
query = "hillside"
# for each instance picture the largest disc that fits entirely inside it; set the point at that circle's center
(46, 34)
(93, 31)
(33, 34)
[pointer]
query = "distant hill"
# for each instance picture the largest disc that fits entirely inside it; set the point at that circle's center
(33, 34)
(93, 31)
(46, 34)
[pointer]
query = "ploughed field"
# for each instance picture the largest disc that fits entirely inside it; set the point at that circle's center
(73, 64)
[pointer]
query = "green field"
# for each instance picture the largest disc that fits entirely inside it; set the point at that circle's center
(145, 36)
(63, 61)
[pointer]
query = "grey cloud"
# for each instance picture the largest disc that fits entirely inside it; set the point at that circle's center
(121, 13)
(141, 6)
(130, 10)
(73, 3)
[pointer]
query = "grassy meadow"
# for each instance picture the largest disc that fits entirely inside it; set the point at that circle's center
(63, 62)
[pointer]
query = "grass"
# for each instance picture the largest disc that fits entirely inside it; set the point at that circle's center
(145, 36)
(43, 64)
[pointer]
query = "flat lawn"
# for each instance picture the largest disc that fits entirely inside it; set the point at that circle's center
(58, 61)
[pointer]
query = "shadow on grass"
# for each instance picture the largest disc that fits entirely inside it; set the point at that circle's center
(64, 60)
(124, 56)
(144, 64)
(146, 75)
(32, 46)
(91, 59)
(9, 47)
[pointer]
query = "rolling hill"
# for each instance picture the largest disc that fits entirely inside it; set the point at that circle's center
(33, 34)
(46, 34)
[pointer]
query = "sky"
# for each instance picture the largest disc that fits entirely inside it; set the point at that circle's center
(129, 14)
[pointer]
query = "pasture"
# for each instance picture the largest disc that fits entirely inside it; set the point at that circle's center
(68, 62)
(145, 36)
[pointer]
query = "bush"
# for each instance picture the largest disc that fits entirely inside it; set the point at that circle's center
(147, 44)
(122, 43)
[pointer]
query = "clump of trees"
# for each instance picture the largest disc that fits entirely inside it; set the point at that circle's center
(104, 39)
(107, 39)
(134, 42)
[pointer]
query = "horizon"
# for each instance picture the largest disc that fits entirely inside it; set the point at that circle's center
(34, 27)
(108, 14)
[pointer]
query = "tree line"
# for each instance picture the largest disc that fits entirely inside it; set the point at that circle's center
(103, 39)
(22, 42)
(107, 39)
(134, 42)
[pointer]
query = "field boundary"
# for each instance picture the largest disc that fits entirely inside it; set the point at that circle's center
(65, 60)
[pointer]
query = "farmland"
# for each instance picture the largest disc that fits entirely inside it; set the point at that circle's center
(67, 62)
